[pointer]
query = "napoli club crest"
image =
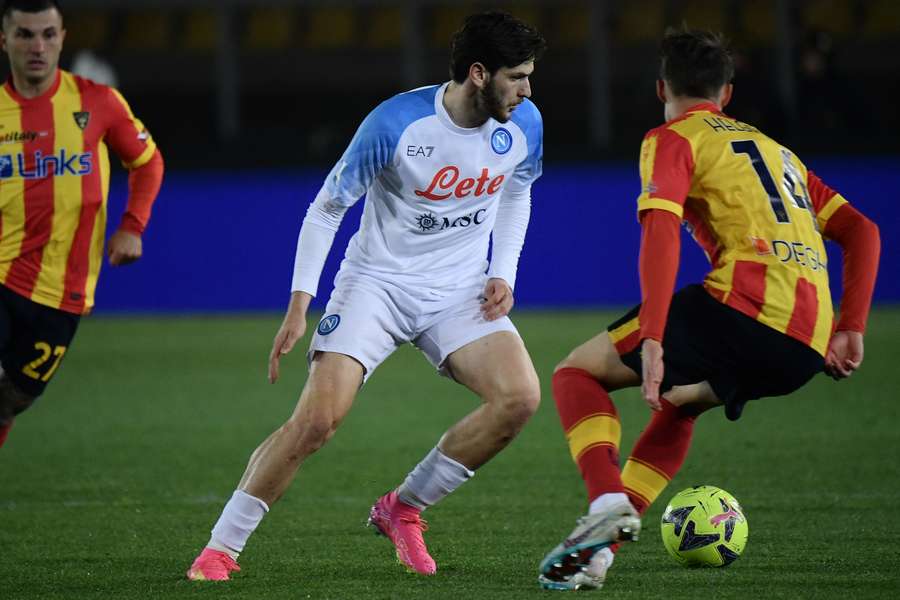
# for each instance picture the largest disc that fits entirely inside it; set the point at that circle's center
(328, 324)
(501, 140)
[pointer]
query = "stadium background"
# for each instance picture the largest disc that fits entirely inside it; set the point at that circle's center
(252, 102)
(109, 485)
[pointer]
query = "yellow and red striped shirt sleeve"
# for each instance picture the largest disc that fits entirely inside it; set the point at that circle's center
(825, 200)
(666, 165)
(126, 135)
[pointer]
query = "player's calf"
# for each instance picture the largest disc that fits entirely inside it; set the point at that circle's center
(13, 401)
(4, 431)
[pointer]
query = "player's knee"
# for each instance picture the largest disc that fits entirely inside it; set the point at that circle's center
(596, 357)
(522, 407)
(576, 360)
(518, 403)
(566, 363)
(307, 435)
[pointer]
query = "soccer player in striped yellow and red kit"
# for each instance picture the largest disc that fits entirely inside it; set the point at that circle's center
(760, 325)
(56, 130)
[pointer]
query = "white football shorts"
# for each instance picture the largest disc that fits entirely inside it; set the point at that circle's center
(367, 319)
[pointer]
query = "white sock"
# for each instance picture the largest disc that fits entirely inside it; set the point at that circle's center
(609, 555)
(239, 519)
(604, 501)
(432, 479)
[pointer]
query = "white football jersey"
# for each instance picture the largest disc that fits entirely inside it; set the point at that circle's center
(432, 189)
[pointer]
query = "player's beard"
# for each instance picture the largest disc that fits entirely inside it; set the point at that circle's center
(491, 103)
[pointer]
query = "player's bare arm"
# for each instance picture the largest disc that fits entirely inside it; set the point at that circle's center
(652, 372)
(498, 299)
(292, 329)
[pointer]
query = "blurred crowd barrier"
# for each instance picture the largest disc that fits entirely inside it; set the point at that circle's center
(226, 241)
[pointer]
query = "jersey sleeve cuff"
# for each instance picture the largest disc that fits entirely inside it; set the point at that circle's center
(143, 158)
(646, 203)
(649, 334)
(131, 224)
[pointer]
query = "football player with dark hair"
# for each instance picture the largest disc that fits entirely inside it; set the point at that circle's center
(57, 129)
(760, 325)
(446, 170)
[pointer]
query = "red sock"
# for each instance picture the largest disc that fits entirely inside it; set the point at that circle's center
(658, 453)
(4, 431)
(592, 428)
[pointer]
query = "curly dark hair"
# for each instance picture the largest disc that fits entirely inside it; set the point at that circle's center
(495, 39)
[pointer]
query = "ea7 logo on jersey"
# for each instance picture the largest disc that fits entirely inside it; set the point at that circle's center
(424, 151)
(447, 180)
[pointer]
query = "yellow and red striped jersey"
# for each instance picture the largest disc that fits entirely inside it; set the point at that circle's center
(54, 182)
(755, 210)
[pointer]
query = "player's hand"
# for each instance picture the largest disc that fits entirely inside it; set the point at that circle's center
(124, 248)
(498, 299)
(292, 329)
(845, 354)
(652, 372)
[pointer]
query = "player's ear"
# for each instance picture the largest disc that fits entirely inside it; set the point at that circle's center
(479, 75)
(725, 94)
(661, 90)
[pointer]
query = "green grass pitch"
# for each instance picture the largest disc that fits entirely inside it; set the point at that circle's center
(109, 486)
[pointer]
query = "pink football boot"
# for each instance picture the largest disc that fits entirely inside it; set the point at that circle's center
(212, 565)
(402, 524)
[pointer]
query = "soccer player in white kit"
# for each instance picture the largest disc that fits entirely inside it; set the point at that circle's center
(446, 171)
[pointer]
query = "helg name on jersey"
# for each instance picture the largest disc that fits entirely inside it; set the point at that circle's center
(447, 180)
